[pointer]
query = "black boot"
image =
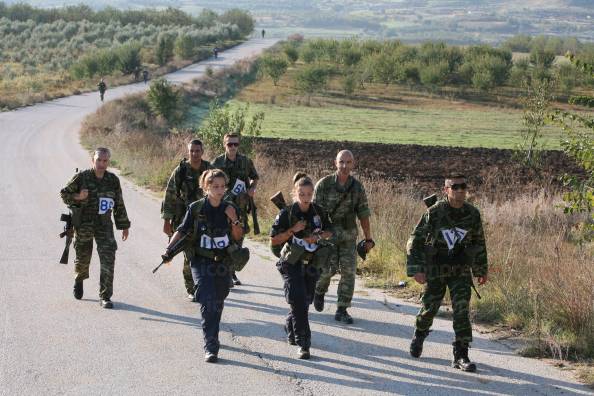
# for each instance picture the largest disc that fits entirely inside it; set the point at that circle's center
(343, 316)
(318, 302)
(461, 360)
(78, 289)
(416, 345)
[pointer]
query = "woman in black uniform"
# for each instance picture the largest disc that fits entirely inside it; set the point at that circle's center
(301, 227)
(212, 225)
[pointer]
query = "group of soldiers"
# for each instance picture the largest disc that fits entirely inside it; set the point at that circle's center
(317, 232)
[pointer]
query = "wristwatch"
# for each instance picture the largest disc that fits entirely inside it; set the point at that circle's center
(236, 222)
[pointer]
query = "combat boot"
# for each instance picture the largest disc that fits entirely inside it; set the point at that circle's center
(106, 303)
(416, 345)
(303, 353)
(318, 302)
(210, 357)
(461, 360)
(343, 316)
(78, 289)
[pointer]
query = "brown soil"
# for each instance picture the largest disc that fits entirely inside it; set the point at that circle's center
(492, 173)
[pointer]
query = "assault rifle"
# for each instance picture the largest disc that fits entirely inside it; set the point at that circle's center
(68, 233)
(173, 251)
(279, 200)
(254, 210)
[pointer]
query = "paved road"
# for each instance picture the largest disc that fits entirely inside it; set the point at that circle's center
(151, 342)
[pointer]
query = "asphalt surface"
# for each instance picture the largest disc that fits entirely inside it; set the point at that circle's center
(151, 343)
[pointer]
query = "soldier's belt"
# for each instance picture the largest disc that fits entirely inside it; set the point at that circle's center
(215, 255)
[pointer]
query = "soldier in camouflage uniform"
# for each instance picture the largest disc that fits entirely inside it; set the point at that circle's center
(345, 200)
(92, 195)
(243, 180)
(183, 189)
(446, 248)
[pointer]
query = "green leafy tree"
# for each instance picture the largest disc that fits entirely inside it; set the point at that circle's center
(578, 144)
(223, 119)
(291, 52)
(536, 111)
(164, 51)
(311, 79)
(164, 100)
(184, 46)
(242, 19)
(128, 57)
(274, 66)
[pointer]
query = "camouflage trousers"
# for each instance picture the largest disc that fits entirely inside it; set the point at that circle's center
(343, 259)
(460, 292)
(106, 248)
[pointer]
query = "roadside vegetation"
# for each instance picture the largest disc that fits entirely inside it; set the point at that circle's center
(48, 53)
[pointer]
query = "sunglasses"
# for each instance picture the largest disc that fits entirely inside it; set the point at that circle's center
(460, 186)
(232, 144)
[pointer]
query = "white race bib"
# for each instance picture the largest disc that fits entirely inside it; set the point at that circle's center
(310, 247)
(452, 236)
(209, 243)
(105, 204)
(239, 187)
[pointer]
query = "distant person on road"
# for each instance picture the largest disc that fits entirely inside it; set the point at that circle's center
(243, 180)
(214, 225)
(183, 188)
(136, 73)
(301, 228)
(102, 88)
(263, 33)
(446, 249)
(145, 75)
(345, 199)
(215, 52)
(93, 195)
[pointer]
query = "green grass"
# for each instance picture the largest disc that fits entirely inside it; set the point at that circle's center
(425, 126)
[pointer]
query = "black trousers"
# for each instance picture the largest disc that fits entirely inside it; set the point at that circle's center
(299, 284)
(212, 287)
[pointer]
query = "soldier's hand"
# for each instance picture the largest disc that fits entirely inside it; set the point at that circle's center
(82, 195)
(482, 280)
(299, 226)
(251, 192)
(231, 213)
(125, 234)
(369, 244)
(420, 278)
(167, 228)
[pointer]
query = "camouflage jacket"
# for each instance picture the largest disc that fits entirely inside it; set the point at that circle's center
(105, 197)
(439, 230)
(182, 189)
(242, 170)
(343, 213)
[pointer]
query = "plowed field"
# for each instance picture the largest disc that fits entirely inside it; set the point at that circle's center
(491, 172)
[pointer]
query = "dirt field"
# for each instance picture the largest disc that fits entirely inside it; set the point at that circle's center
(492, 172)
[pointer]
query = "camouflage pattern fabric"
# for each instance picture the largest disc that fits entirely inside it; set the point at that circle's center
(243, 170)
(343, 213)
(439, 247)
(184, 179)
(105, 198)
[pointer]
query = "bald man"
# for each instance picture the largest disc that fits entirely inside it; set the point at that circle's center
(344, 198)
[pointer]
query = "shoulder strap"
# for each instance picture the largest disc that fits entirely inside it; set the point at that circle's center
(341, 200)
